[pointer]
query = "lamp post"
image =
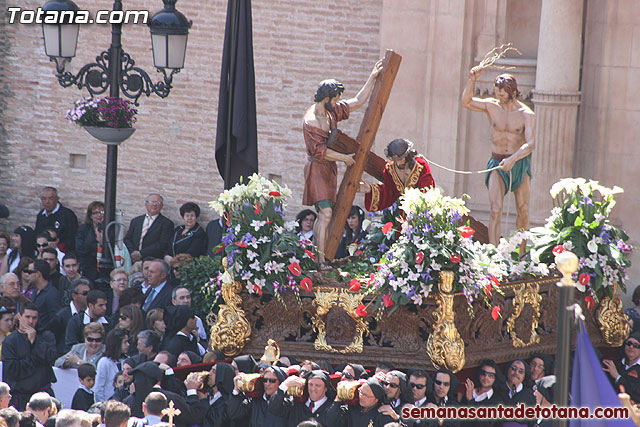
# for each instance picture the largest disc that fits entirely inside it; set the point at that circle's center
(114, 69)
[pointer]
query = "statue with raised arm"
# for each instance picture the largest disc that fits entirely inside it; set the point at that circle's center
(320, 130)
(512, 141)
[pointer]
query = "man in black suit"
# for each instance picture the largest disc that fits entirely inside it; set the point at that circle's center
(159, 293)
(484, 392)
(62, 219)
(519, 385)
(149, 235)
(47, 298)
(96, 309)
(215, 229)
(58, 325)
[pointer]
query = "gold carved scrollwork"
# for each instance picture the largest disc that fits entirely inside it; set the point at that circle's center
(325, 300)
(445, 347)
(526, 294)
(614, 324)
(231, 330)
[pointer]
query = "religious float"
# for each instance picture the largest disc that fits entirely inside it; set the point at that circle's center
(419, 290)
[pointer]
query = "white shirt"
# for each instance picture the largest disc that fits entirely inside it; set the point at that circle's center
(480, 397)
(86, 319)
(316, 404)
(215, 397)
(421, 401)
(512, 391)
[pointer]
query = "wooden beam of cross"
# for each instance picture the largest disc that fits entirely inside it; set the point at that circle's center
(346, 145)
(366, 136)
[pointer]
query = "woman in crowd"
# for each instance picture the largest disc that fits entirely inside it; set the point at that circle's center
(6, 324)
(131, 320)
(305, 221)
(117, 346)
(88, 237)
(24, 245)
(155, 321)
(119, 283)
(27, 289)
(353, 232)
(188, 238)
(5, 241)
(90, 351)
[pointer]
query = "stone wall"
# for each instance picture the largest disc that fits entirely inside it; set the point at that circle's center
(296, 44)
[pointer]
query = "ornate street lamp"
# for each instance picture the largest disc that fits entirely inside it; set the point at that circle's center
(114, 69)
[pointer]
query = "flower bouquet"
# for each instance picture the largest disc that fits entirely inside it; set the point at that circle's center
(431, 239)
(109, 112)
(262, 251)
(581, 224)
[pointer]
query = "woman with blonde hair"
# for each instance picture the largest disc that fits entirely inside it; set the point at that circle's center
(90, 351)
(155, 321)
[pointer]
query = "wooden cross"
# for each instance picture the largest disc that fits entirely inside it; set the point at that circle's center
(171, 412)
(363, 159)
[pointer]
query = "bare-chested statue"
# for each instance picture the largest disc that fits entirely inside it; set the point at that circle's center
(320, 130)
(512, 136)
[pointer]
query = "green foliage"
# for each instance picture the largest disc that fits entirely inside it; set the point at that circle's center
(199, 277)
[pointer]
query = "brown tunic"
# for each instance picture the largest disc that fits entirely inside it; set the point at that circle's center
(320, 175)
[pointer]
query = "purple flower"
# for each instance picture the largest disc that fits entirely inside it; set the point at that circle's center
(229, 238)
(455, 217)
(586, 201)
(382, 247)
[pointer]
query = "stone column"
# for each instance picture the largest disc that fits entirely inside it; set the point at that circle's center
(556, 98)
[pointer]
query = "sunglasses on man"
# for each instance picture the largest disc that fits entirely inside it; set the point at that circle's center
(442, 383)
(417, 386)
(630, 343)
(392, 385)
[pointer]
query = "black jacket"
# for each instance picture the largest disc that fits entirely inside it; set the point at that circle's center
(82, 400)
(163, 299)
(49, 302)
(58, 325)
(214, 235)
(64, 221)
(26, 367)
(87, 248)
(179, 343)
(495, 400)
(194, 242)
(630, 379)
(156, 242)
(240, 408)
(354, 416)
(296, 412)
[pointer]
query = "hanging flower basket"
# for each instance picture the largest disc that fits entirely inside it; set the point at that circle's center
(109, 120)
(110, 136)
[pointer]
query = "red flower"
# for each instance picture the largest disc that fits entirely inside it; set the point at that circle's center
(466, 231)
(220, 249)
(419, 257)
(455, 258)
(361, 310)
(387, 227)
(226, 219)
(310, 254)
(388, 301)
(495, 312)
(584, 279)
(358, 253)
(306, 284)
(241, 244)
(372, 278)
(590, 302)
(354, 285)
(487, 289)
(258, 289)
(295, 269)
(495, 281)
(257, 209)
(274, 194)
(557, 250)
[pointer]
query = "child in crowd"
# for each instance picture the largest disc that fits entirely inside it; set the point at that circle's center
(83, 399)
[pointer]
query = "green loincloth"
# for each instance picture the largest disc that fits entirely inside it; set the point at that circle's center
(522, 166)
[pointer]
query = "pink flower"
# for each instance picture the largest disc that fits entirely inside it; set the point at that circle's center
(419, 257)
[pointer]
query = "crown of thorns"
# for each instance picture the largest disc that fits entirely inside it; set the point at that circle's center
(398, 149)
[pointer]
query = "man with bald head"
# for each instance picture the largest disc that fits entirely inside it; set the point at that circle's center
(10, 288)
(149, 235)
